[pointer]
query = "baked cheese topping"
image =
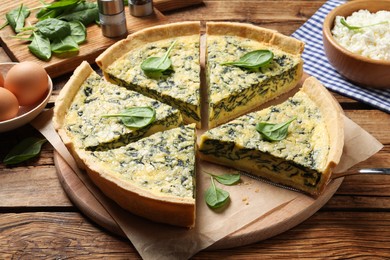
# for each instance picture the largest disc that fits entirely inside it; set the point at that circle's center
(300, 157)
(163, 163)
(179, 89)
(85, 123)
(232, 89)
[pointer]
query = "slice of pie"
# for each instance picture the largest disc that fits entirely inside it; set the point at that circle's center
(233, 90)
(153, 177)
(303, 160)
(180, 86)
(85, 100)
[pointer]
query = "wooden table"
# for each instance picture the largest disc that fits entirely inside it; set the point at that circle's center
(37, 220)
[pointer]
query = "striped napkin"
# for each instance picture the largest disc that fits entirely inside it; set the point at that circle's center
(316, 63)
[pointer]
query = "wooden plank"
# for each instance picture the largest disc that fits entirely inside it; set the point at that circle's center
(70, 235)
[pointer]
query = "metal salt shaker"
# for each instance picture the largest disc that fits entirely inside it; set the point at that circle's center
(141, 7)
(112, 18)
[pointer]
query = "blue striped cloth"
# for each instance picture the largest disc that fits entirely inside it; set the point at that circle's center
(316, 63)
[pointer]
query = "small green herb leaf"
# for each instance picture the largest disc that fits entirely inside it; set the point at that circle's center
(26, 149)
(216, 197)
(155, 66)
(354, 28)
(78, 31)
(253, 60)
(53, 28)
(84, 12)
(16, 17)
(40, 46)
(226, 179)
(64, 45)
(274, 132)
(136, 117)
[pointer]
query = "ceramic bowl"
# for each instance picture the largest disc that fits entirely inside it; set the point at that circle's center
(26, 113)
(360, 70)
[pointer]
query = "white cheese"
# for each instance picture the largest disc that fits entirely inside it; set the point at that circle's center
(372, 41)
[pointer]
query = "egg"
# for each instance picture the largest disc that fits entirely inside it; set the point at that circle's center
(9, 105)
(28, 81)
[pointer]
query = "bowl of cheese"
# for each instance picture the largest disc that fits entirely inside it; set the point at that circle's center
(356, 37)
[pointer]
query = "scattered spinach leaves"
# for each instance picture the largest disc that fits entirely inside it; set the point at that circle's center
(156, 66)
(53, 28)
(253, 60)
(226, 179)
(136, 117)
(56, 23)
(78, 31)
(216, 197)
(26, 149)
(16, 18)
(40, 46)
(64, 45)
(274, 132)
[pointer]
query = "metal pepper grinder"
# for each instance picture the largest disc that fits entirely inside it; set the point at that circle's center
(112, 18)
(140, 8)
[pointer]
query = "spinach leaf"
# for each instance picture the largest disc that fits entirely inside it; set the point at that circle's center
(155, 66)
(84, 12)
(355, 28)
(53, 28)
(216, 197)
(274, 132)
(226, 179)
(253, 60)
(136, 117)
(55, 9)
(78, 31)
(16, 17)
(26, 149)
(40, 46)
(64, 45)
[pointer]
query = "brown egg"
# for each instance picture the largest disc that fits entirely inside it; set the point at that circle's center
(28, 81)
(9, 105)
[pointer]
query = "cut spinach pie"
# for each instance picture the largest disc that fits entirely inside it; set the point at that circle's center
(179, 85)
(304, 159)
(236, 83)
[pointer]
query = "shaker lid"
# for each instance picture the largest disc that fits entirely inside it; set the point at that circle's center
(110, 7)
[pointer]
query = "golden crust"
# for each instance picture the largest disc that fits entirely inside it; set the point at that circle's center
(171, 210)
(268, 36)
(332, 114)
(64, 101)
(143, 37)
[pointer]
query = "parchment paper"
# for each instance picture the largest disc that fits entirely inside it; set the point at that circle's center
(250, 200)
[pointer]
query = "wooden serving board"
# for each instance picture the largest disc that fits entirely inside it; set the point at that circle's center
(276, 222)
(96, 43)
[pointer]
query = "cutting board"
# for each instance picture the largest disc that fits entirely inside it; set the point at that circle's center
(96, 43)
(276, 222)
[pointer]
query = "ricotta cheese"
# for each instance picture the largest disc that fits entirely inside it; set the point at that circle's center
(372, 41)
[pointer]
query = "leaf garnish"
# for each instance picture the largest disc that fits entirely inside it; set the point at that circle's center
(274, 132)
(136, 117)
(156, 66)
(253, 60)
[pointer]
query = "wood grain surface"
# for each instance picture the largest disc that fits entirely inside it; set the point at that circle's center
(38, 221)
